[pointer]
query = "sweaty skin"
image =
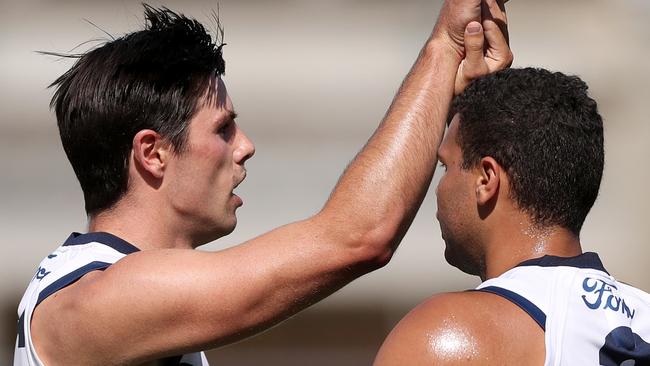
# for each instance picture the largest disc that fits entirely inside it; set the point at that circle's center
(464, 328)
(485, 234)
(197, 300)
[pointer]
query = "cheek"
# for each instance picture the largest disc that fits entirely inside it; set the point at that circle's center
(443, 192)
(211, 160)
(452, 198)
(203, 167)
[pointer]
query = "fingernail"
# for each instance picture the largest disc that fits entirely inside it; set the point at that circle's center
(473, 27)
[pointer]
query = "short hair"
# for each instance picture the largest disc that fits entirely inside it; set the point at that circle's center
(147, 79)
(545, 131)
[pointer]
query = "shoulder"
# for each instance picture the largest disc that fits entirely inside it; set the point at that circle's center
(473, 328)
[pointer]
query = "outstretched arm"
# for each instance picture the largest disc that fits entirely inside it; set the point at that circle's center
(159, 303)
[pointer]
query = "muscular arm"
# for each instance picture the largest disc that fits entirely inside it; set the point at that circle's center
(160, 303)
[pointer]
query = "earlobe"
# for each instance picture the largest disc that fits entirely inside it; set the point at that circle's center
(149, 153)
(488, 181)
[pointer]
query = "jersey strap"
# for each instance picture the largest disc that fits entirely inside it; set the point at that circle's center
(70, 278)
(21, 330)
(536, 313)
(107, 239)
(586, 260)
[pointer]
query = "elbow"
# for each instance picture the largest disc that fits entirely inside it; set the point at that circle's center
(370, 245)
(369, 240)
(375, 247)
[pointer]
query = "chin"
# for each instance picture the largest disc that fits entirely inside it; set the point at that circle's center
(215, 230)
(461, 260)
(229, 229)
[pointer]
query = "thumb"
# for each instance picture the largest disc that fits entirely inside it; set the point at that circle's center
(474, 41)
(473, 65)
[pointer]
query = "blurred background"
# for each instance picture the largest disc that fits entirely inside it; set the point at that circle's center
(310, 80)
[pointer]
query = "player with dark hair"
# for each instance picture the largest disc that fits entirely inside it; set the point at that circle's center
(149, 128)
(131, 84)
(523, 160)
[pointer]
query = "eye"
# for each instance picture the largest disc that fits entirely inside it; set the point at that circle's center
(225, 129)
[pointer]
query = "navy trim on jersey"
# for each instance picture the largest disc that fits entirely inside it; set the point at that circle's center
(21, 330)
(110, 240)
(585, 260)
(69, 279)
(536, 313)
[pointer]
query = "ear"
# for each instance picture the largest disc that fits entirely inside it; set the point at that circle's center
(150, 152)
(488, 180)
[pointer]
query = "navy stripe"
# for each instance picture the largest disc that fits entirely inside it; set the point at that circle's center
(110, 240)
(70, 278)
(21, 330)
(585, 260)
(536, 313)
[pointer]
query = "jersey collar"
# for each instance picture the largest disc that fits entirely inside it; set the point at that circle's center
(585, 260)
(107, 239)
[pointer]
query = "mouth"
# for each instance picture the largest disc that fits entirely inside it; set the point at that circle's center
(238, 199)
(240, 180)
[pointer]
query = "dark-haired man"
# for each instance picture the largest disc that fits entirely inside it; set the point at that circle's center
(523, 160)
(150, 131)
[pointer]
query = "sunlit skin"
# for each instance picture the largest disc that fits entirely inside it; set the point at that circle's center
(485, 234)
(457, 210)
(484, 230)
(200, 181)
(196, 184)
(465, 328)
(168, 300)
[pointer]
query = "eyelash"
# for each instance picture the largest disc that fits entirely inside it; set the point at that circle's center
(224, 128)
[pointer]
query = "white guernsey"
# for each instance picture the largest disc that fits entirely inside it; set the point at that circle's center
(588, 317)
(79, 255)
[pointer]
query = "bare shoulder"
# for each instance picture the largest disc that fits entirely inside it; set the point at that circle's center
(142, 296)
(469, 328)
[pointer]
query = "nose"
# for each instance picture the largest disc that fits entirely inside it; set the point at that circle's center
(245, 148)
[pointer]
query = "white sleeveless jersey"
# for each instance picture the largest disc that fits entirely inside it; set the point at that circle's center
(79, 255)
(588, 317)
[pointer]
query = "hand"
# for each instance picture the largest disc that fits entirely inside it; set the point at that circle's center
(481, 58)
(455, 15)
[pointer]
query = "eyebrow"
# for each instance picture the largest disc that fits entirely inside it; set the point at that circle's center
(229, 117)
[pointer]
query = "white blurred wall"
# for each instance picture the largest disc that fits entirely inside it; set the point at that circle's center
(310, 80)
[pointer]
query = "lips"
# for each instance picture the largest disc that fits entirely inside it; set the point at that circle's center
(240, 180)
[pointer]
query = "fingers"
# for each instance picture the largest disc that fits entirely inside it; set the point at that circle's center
(495, 11)
(498, 51)
(453, 17)
(495, 23)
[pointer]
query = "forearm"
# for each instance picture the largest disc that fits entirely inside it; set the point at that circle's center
(381, 190)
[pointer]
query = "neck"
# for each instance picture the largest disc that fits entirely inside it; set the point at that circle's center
(146, 228)
(507, 250)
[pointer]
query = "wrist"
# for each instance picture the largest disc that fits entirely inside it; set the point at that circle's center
(439, 44)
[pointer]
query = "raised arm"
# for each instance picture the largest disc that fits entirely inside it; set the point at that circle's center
(159, 303)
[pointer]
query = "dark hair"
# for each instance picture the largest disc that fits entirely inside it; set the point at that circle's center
(148, 79)
(545, 131)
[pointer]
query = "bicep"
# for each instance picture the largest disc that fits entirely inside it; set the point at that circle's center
(164, 302)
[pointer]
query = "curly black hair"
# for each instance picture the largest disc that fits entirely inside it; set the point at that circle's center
(545, 131)
(148, 79)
